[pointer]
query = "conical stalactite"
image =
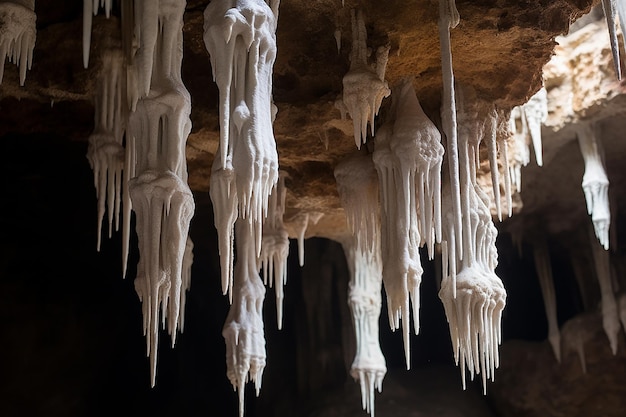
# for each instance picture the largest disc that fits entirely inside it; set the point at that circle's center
(544, 273)
(300, 221)
(526, 121)
(161, 199)
(106, 153)
(448, 19)
(357, 183)
(577, 331)
(610, 313)
(18, 33)
(595, 183)
(611, 14)
(91, 9)
(364, 85)
(275, 246)
(243, 330)
(536, 113)
(505, 136)
(240, 37)
(408, 157)
(472, 294)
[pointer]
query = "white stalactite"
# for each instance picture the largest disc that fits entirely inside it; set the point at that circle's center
(408, 156)
(610, 314)
(610, 13)
(161, 198)
(536, 113)
(357, 183)
(301, 223)
(90, 9)
(275, 246)
(18, 33)
(240, 37)
(472, 294)
(243, 330)
(525, 123)
(519, 149)
(595, 183)
(364, 85)
(106, 153)
(544, 273)
(448, 19)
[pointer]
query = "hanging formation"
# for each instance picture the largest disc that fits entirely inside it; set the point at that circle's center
(156, 124)
(17, 35)
(394, 193)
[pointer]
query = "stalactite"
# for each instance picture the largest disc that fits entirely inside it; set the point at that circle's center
(473, 297)
(275, 246)
(506, 135)
(595, 183)
(91, 9)
(243, 330)
(300, 222)
(364, 86)
(610, 13)
(544, 273)
(535, 113)
(240, 37)
(577, 331)
(448, 19)
(610, 314)
(621, 304)
(163, 203)
(106, 150)
(526, 121)
(18, 33)
(408, 156)
(357, 183)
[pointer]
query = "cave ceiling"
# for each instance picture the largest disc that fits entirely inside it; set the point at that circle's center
(499, 48)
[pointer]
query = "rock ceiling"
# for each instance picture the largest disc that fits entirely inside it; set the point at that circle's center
(499, 49)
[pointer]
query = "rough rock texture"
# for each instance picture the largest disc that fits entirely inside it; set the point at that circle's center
(498, 48)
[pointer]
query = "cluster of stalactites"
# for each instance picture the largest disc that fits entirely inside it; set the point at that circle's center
(357, 184)
(472, 294)
(525, 123)
(241, 40)
(364, 85)
(595, 183)
(408, 155)
(150, 105)
(18, 32)
(275, 246)
(157, 132)
(106, 152)
(240, 37)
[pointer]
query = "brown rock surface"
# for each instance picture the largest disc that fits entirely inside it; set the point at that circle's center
(498, 48)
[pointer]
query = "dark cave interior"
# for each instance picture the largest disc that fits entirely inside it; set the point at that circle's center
(73, 344)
